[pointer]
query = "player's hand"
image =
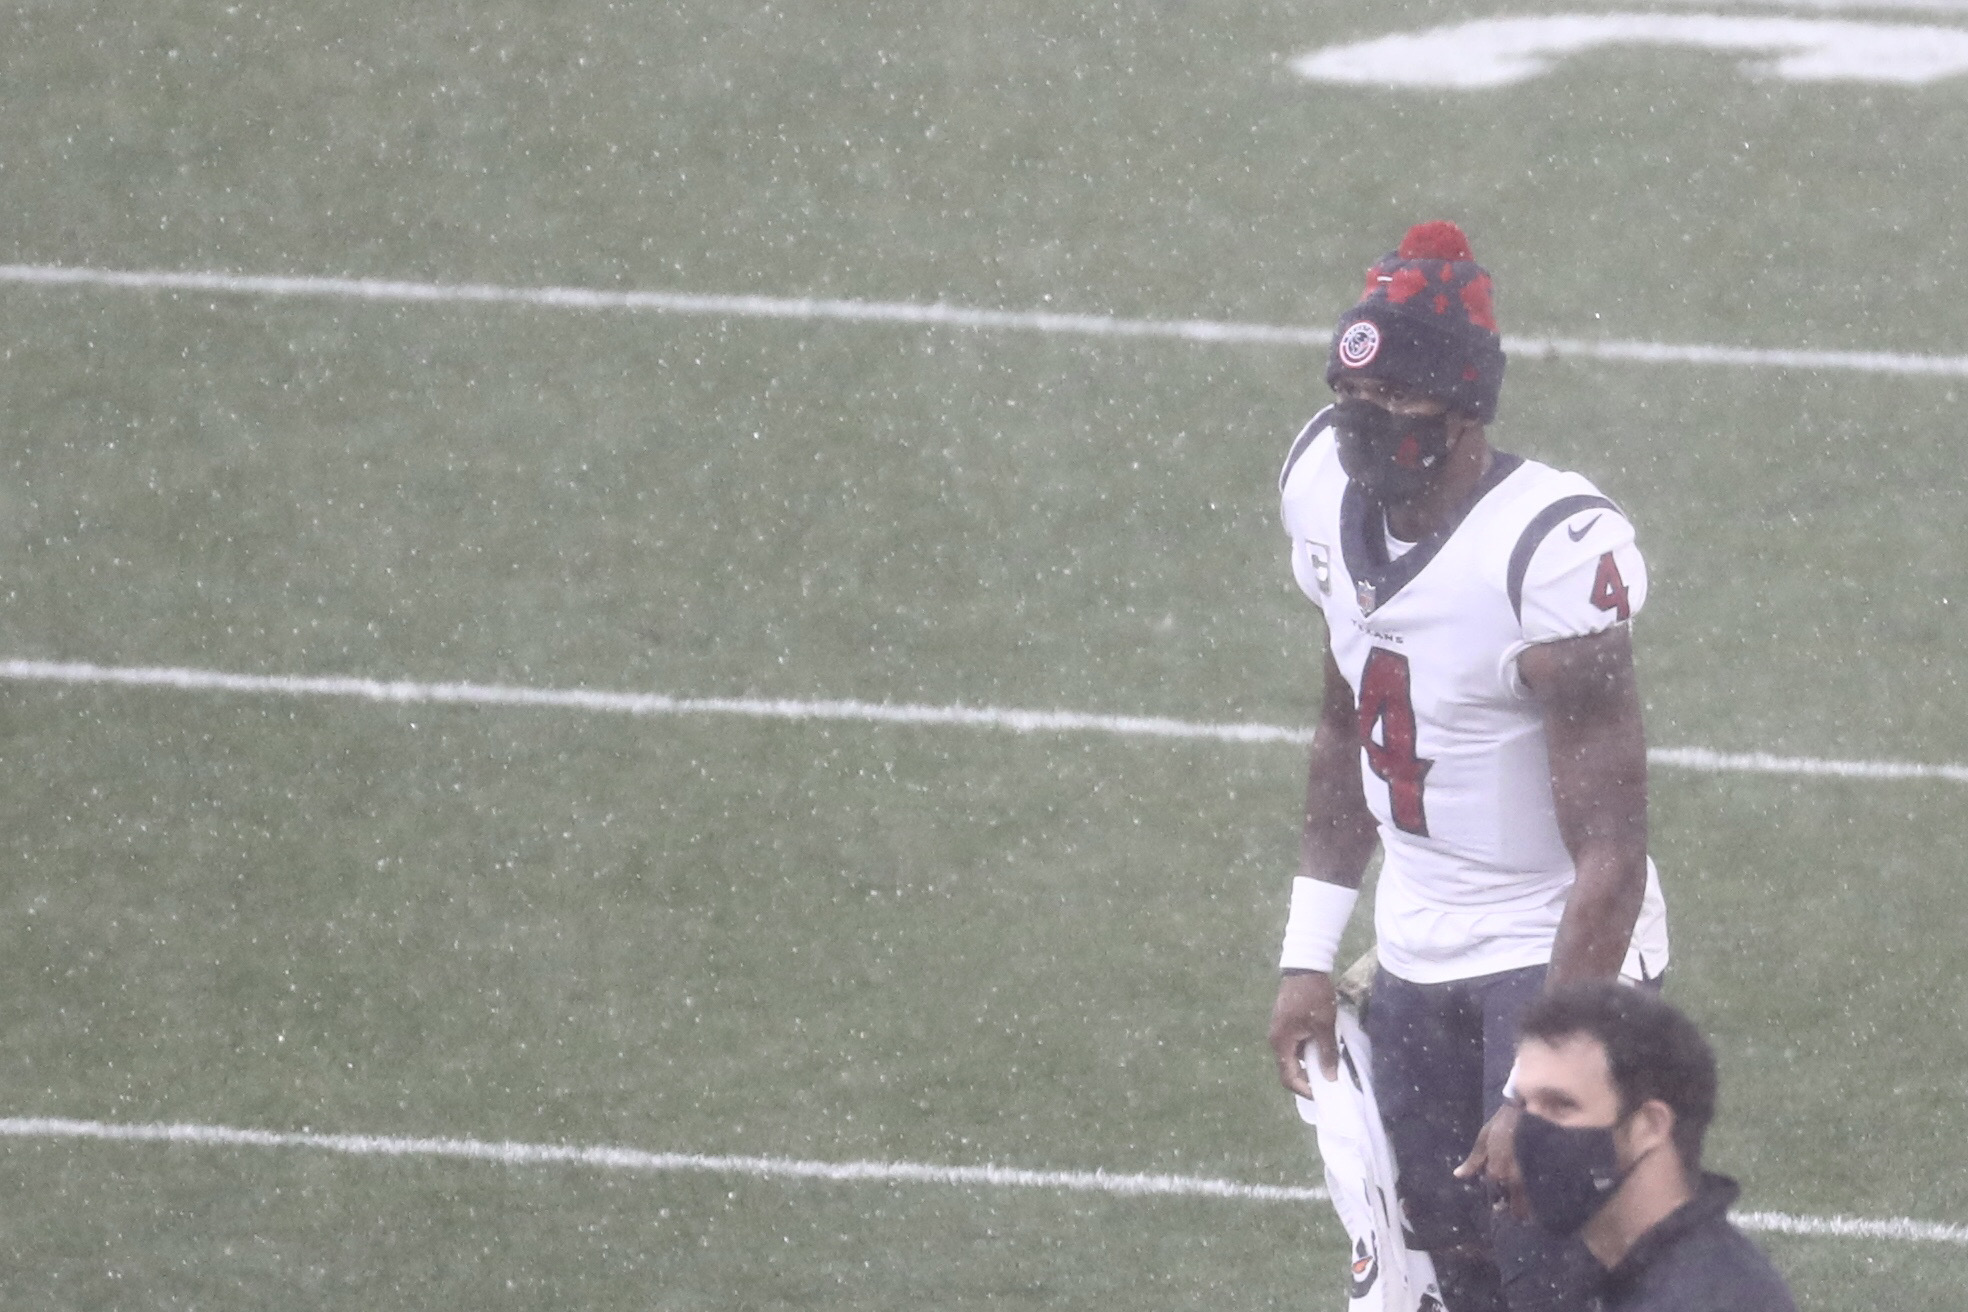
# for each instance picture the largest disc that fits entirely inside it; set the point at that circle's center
(1494, 1158)
(1304, 1013)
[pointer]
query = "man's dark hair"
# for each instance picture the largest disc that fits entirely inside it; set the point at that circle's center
(1654, 1051)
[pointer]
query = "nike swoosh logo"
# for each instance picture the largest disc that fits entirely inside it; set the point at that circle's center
(1578, 534)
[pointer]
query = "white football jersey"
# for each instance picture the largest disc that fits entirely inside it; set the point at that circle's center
(1475, 875)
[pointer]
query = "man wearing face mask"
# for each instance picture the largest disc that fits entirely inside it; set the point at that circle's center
(1618, 1090)
(1481, 725)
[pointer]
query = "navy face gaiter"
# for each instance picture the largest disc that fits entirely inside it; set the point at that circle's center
(1394, 458)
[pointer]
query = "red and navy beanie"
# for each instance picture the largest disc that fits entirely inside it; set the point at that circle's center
(1425, 322)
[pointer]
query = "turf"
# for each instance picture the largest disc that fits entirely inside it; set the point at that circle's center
(893, 943)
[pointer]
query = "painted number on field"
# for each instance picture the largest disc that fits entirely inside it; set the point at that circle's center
(1495, 52)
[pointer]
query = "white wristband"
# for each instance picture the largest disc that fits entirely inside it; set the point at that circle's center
(1319, 912)
(1510, 1084)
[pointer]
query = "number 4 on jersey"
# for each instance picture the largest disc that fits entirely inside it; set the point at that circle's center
(1609, 589)
(1387, 706)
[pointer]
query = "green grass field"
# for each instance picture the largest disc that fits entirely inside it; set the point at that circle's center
(824, 940)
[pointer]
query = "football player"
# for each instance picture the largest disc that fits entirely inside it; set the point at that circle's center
(1481, 726)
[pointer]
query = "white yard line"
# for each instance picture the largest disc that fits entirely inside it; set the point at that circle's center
(1700, 758)
(1854, 1227)
(936, 314)
(408, 693)
(610, 1158)
(632, 1159)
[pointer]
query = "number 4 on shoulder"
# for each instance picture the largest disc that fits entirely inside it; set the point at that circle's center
(1609, 589)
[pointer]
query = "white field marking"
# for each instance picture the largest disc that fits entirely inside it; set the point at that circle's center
(637, 703)
(607, 1158)
(1853, 1227)
(934, 315)
(1496, 52)
(405, 693)
(1700, 758)
(1918, 6)
(1876, 362)
(507, 1153)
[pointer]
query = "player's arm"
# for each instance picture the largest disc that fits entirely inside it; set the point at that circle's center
(1598, 746)
(1598, 750)
(1334, 847)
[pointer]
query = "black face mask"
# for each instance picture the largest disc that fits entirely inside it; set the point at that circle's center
(1394, 458)
(1570, 1172)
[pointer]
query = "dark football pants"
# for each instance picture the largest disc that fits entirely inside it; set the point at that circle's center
(1441, 1053)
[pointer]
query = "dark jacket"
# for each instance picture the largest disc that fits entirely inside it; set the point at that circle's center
(1695, 1261)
